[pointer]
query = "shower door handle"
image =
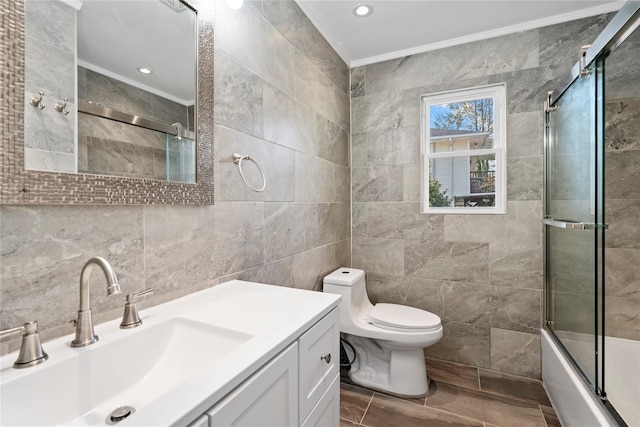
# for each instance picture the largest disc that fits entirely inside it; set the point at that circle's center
(573, 225)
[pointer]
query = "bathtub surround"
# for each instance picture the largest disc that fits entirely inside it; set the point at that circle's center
(281, 97)
(481, 274)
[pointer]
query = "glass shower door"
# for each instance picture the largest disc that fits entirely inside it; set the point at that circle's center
(572, 211)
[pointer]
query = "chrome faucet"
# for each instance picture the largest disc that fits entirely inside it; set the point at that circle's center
(84, 325)
(31, 352)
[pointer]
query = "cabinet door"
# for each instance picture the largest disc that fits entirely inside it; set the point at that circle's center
(327, 411)
(268, 398)
(319, 361)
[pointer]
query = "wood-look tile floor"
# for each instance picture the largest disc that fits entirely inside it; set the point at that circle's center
(459, 395)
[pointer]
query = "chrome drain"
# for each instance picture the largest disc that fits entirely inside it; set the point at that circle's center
(120, 414)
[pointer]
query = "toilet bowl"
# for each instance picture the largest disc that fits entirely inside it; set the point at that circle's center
(388, 339)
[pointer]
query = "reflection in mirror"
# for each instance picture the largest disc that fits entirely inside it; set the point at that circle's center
(127, 109)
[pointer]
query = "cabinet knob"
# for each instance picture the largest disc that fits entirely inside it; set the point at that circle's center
(326, 357)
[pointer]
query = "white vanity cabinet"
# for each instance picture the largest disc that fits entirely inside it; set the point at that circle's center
(298, 387)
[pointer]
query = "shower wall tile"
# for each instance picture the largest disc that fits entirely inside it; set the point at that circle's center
(246, 35)
(527, 88)
(525, 134)
(52, 23)
(312, 87)
(521, 225)
(324, 260)
(359, 219)
(377, 183)
(314, 179)
(238, 96)
(277, 163)
(622, 126)
(43, 255)
(278, 273)
(358, 82)
(453, 261)
(411, 183)
(330, 63)
(49, 130)
(467, 61)
(393, 146)
(334, 220)
(377, 111)
(174, 238)
(402, 221)
(515, 352)
(495, 306)
(623, 320)
(343, 183)
(293, 24)
(524, 178)
(517, 266)
(49, 161)
(238, 237)
(623, 174)
(49, 70)
(379, 256)
(463, 343)
(291, 123)
(561, 42)
(359, 150)
(623, 222)
(290, 228)
(622, 271)
(333, 143)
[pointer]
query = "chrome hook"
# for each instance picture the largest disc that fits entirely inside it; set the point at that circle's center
(61, 108)
(37, 101)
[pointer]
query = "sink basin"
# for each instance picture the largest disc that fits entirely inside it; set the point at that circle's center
(131, 368)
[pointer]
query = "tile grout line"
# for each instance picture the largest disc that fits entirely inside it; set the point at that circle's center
(366, 409)
(543, 416)
(479, 382)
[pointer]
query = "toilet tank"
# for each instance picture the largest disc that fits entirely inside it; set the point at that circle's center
(350, 283)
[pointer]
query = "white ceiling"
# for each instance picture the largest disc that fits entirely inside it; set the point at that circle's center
(116, 37)
(398, 28)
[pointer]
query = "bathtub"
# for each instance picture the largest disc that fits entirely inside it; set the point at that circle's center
(575, 404)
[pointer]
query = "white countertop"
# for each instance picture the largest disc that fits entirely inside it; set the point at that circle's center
(273, 316)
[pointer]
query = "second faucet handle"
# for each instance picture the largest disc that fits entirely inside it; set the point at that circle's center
(131, 318)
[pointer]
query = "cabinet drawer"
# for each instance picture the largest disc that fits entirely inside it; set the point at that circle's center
(268, 398)
(319, 361)
(327, 411)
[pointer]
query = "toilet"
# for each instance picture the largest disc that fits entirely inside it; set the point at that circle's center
(388, 339)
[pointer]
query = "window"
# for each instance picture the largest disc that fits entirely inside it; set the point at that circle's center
(464, 151)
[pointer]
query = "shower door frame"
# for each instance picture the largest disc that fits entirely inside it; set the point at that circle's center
(621, 26)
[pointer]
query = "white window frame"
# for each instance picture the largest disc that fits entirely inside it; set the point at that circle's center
(499, 94)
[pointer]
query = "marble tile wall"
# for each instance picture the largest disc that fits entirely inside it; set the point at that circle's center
(50, 58)
(482, 274)
(622, 195)
(292, 234)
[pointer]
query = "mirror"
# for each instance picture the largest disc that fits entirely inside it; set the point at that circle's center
(135, 86)
(117, 138)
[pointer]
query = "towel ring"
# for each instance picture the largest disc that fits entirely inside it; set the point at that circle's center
(237, 159)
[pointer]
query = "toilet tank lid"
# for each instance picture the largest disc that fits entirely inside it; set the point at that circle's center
(344, 277)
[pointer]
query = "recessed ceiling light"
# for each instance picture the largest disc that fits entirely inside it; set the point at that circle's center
(144, 70)
(363, 10)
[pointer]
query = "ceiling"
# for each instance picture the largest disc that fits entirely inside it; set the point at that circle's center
(399, 28)
(117, 37)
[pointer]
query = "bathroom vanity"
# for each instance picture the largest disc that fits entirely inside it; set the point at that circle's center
(240, 353)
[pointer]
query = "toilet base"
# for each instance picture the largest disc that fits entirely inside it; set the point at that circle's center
(379, 366)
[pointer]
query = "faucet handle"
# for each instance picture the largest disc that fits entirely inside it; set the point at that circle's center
(31, 352)
(131, 318)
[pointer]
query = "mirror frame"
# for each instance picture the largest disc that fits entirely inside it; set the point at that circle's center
(21, 186)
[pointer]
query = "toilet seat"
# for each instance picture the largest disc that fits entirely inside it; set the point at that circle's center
(402, 318)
